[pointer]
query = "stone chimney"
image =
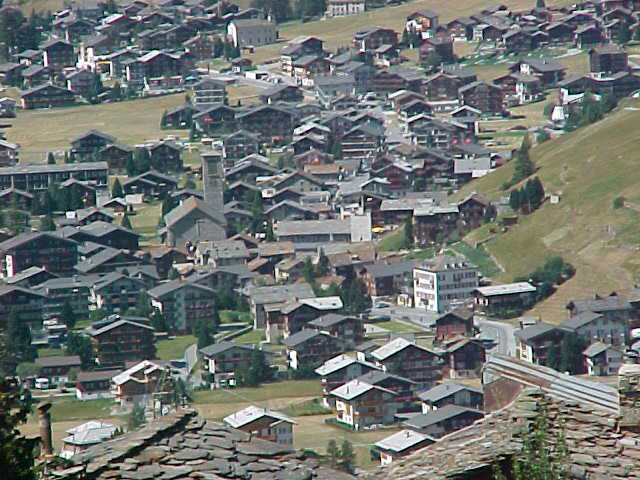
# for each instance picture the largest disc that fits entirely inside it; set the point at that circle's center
(45, 428)
(629, 392)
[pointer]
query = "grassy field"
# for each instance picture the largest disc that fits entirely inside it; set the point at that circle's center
(254, 336)
(479, 257)
(233, 316)
(588, 169)
(40, 131)
(398, 327)
(267, 391)
(174, 348)
(392, 241)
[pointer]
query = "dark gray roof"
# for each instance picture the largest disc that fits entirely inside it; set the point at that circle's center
(390, 269)
(579, 320)
(601, 304)
(544, 64)
(30, 236)
(173, 285)
(441, 414)
(280, 293)
(59, 167)
(533, 331)
(301, 337)
(374, 377)
(329, 320)
(444, 390)
(218, 348)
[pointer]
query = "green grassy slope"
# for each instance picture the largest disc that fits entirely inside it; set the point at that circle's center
(588, 168)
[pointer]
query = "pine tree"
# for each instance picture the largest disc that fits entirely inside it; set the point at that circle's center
(624, 34)
(333, 452)
(80, 345)
(409, 238)
(67, 315)
(16, 451)
(116, 189)
(126, 223)
(51, 160)
(347, 457)
(540, 4)
(514, 199)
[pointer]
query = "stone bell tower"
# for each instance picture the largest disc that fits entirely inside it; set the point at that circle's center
(212, 180)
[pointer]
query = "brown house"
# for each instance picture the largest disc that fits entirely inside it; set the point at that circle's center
(487, 98)
(409, 360)
(457, 323)
(46, 96)
(118, 340)
(608, 59)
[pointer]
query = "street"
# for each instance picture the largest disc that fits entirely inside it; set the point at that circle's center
(502, 333)
(419, 317)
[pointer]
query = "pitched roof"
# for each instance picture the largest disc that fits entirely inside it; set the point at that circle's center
(580, 320)
(221, 347)
(355, 388)
(532, 331)
(190, 205)
(440, 415)
(402, 440)
(339, 362)
(252, 413)
(394, 346)
(58, 361)
(279, 293)
(303, 336)
(444, 390)
(173, 285)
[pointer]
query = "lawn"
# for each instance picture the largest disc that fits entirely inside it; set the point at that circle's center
(398, 327)
(174, 348)
(479, 257)
(267, 391)
(68, 408)
(254, 336)
(131, 122)
(50, 352)
(234, 316)
(145, 220)
(392, 241)
(305, 408)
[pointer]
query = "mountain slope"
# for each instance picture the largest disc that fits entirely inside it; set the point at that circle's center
(588, 168)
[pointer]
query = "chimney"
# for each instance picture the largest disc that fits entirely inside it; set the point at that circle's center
(45, 428)
(629, 393)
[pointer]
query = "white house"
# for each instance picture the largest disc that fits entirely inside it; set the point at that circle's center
(444, 282)
(263, 423)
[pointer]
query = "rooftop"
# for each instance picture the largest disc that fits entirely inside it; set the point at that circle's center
(253, 413)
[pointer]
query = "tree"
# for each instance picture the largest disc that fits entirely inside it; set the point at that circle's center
(136, 417)
(541, 457)
(432, 61)
(540, 4)
(51, 160)
(542, 136)
(357, 300)
(126, 223)
(571, 350)
(408, 232)
(205, 330)
(27, 369)
(514, 199)
(116, 189)
(309, 272)
(256, 372)
(14, 217)
(189, 182)
(16, 451)
(80, 345)
(218, 47)
(347, 457)
(17, 340)
(333, 452)
(524, 166)
(67, 315)
(323, 267)
(624, 34)
(116, 92)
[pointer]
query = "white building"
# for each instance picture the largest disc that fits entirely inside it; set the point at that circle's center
(343, 8)
(401, 444)
(443, 283)
(86, 435)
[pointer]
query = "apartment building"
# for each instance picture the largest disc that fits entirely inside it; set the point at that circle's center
(444, 283)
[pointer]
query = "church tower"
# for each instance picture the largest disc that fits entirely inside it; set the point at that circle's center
(212, 180)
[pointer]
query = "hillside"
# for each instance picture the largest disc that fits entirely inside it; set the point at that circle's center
(588, 168)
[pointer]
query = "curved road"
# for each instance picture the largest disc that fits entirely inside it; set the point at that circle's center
(502, 333)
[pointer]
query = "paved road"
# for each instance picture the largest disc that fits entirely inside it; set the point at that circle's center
(415, 315)
(502, 333)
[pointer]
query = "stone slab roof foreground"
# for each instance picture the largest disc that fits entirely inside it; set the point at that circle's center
(183, 446)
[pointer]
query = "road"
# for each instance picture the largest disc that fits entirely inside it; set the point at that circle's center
(420, 317)
(502, 333)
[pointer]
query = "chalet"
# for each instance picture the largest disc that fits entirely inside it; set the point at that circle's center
(451, 393)
(191, 221)
(55, 254)
(603, 359)
(548, 70)
(111, 235)
(349, 329)
(263, 423)
(82, 82)
(57, 367)
(462, 28)
(588, 36)
(249, 169)
(608, 59)
(500, 298)
(463, 358)
(22, 199)
(86, 435)
(184, 304)
(27, 304)
(366, 41)
(449, 418)
(208, 91)
(239, 144)
(117, 156)
(150, 183)
(301, 182)
(360, 405)
(308, 349)
(93, 385)
(116, 292)
(441, 86)
(299, 47)
(167, 155)
(284, 93)
(290, 210)
(487, 98)
(424, 22)
(457, 323)
(592, 327)
(106, 260)
(11, 74)
(214, 118)
(252, 32)
(362, 143)
(389, 279)
(405, 389)
(87, 146)
(410, 360)
(401, 444)
(394, 79)
(273, 123)
(58, 54)
(440, 48)
(339, 370)
(136, 385)
(431, 223)
(560, 32)
(263, 298)
(224, 359)
(46, 96)
(118, 340)
(534, 342)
